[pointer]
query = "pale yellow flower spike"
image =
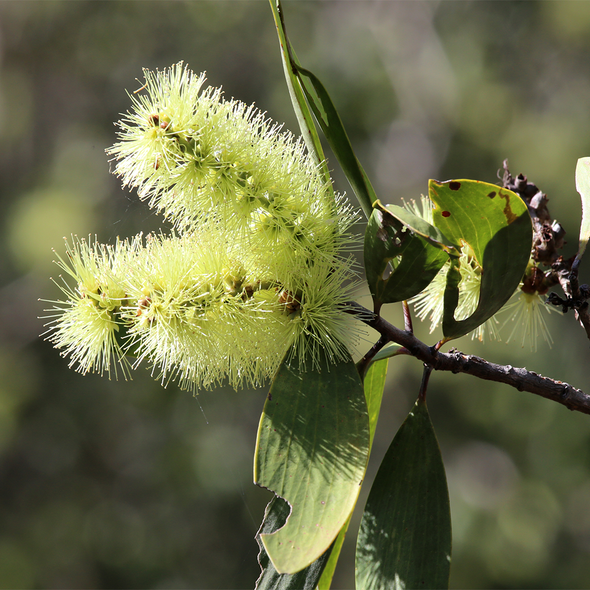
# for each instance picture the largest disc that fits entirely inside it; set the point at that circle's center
(255, 270)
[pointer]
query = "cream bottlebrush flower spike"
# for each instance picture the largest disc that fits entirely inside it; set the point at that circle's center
(527, 308)
(195, 309)
(192, 154)
(86, 326)
(206, 311)
(257, 270)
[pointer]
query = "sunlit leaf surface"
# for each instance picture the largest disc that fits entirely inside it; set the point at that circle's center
(312, 451)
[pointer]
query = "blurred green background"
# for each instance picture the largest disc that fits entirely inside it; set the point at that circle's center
(108, 484)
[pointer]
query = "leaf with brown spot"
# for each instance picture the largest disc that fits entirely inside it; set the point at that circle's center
(500, 234)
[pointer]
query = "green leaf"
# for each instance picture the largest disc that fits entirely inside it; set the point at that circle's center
(415, 259)
(300, 106)
(496, 224)
(312, 451)
(422, 228)
(389, 350)
(275, 517)
(405, 535)
(583, 187)
(373, 384)
(329, 120)
(326, 580)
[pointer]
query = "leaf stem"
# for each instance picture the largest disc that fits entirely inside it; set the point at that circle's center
(424, 384)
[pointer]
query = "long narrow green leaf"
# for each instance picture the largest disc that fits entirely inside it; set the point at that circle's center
(312, 451)
(326, 580)
(583, 187)
(275, 517)
(302, 112)
(373, 384)
(329, 120)
(388, 351)
(405, 535)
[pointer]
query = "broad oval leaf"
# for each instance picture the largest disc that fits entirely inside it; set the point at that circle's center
(496, 224)
(415, 260)
(583, 187)
(312, 451)
(373, 383)
(405, 535)
(275, 516)
(422, 228)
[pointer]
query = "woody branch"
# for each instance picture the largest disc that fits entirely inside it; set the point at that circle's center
(457, 362)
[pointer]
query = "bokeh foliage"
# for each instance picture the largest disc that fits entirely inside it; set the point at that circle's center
(106, 484)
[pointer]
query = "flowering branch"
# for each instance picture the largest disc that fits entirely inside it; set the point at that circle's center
(457, 362)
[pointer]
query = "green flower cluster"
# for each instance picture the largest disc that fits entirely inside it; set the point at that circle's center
(256, 267)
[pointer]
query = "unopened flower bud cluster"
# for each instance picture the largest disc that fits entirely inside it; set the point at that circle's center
(256, 267)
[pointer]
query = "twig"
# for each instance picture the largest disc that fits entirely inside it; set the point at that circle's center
(576, 294)
(457, 362)
(424, 384)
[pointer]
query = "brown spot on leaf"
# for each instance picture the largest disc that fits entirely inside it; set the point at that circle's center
(492, 194)
(454, 185)
(510, 216)
(446, 213)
